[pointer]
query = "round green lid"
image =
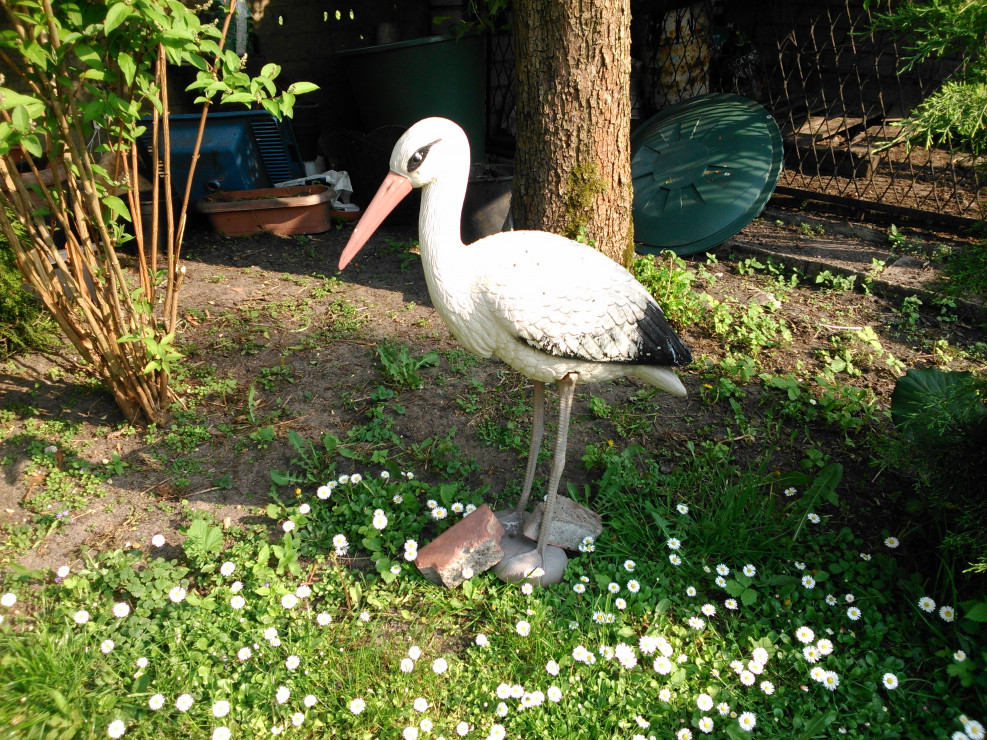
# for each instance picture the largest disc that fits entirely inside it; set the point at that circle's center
(702, 170)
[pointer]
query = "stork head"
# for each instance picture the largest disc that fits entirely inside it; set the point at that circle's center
(432, 148)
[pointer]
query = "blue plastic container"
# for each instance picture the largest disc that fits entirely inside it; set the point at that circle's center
(241, 150)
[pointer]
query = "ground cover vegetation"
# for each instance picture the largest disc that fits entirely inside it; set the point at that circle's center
(792, 552)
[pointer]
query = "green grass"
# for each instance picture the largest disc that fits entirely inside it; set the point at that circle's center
(589, 642)
(24, 324)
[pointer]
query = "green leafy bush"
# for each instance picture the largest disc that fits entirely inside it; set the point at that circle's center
(942, 420)
(955, 114)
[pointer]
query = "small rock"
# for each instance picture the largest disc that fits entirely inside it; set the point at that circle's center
(571, 524)
(473, 542)
(909, 262)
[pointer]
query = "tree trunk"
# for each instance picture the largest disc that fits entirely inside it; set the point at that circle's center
(573, 172)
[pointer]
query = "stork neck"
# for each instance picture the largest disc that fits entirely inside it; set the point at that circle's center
(441, 212)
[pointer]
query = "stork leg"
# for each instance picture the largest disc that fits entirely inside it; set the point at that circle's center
(567, 391)
(512, 520)
(522, 556)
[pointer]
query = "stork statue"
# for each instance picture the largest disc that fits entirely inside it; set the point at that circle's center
(553, 309)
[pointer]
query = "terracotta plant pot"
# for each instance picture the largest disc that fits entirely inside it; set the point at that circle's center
(304, 209)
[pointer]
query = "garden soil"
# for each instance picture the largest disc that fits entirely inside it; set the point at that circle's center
(296, 351)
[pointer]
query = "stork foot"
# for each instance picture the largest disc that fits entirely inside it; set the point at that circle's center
(522, 561)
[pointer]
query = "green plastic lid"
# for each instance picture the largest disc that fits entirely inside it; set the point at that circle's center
(702, 170)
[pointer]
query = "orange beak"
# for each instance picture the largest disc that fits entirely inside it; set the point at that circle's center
(391, 192)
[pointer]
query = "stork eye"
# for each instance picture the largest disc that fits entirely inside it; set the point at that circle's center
(416, 159)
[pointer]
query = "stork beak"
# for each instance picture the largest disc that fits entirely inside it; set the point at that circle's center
(394, 188)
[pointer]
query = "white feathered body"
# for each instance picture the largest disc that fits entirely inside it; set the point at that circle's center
(545, 305)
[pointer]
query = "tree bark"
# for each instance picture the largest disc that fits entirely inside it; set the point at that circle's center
(572, 168)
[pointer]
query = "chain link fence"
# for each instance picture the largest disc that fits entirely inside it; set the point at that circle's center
(834, 87)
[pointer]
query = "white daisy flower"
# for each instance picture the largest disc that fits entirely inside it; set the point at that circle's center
(747, 721)
(804, 635)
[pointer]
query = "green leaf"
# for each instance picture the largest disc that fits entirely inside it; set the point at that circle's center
(117, 14)
(238, 97)
(825, 483)
(270, 70)
(21, 119)
(89, 55)
(748, 597)
(735, 732)
(300, 88)
(977, 612)
(32, 146)
(11, 99)
(118, 207)
(925, 399)
(36, 54)
(273, 108)
(817, 724)
(128, 66)
(733, 588)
